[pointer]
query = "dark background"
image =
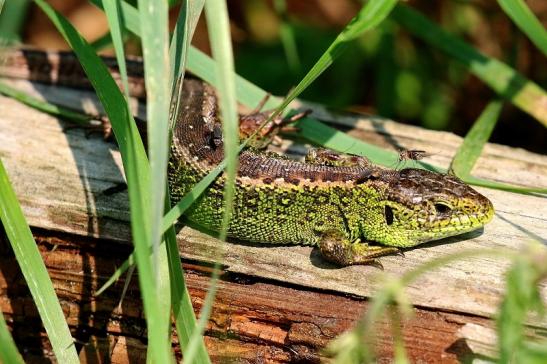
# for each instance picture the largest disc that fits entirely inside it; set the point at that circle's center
(386, 72)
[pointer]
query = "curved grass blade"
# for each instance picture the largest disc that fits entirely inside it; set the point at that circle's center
(505, 186)
(523, 17)
(117, 274)
(8, 349)
(35, 272)
(370, 15)
(473, 143)
(248, 93)
(328, 137)
(501, 78)
(136, 169)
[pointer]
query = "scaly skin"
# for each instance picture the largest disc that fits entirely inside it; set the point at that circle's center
(336, 202)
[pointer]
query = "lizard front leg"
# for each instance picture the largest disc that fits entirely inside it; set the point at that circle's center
(335, 247)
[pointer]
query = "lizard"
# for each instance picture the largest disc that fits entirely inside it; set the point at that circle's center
(352, 210)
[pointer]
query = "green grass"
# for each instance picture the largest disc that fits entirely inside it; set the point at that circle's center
(216, 14)
(471, 148)
(35, 273)
(44, 106)
(8, 350)
(526, 21)
(504, 80)
(161, 278)
(286, 33)
(138, 174)
(12, 20)
(522, 296)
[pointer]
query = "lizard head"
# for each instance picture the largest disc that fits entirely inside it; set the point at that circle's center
(421, 206)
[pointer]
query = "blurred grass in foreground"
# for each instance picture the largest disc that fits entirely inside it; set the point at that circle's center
(401, 92)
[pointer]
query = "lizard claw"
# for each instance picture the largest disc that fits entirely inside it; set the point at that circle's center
(377, 264)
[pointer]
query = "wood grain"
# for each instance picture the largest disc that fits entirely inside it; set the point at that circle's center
(252, 320)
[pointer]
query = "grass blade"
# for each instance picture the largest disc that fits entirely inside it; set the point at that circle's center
(35, 272)
(473, 143)
(136, 169)
(287, 37)
(184, 31)
(501, 78)
(523, 17)
(328, 137)
(43, 105)
(248, 93)
(8, 349)
(130, 261)
(370, 15)
(219, 35)
(221, 45)
(183, 311)
(184, 316)
(521, 296)
(154, 36)
(113, 15)
(12, 20)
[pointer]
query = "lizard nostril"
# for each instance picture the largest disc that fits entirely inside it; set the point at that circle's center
(388, 213)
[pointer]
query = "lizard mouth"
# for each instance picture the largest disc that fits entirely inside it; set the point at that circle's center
(455, 225)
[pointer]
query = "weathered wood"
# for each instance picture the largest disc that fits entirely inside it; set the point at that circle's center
(251, 319)
(60, 177)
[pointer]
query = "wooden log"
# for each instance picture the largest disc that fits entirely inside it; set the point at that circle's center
(60, 179)
(251, 318)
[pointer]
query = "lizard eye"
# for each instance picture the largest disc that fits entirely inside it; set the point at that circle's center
(441, 208)
(388, 214)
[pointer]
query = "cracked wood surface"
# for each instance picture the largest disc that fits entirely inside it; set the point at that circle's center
(60, 176)
(252, 321)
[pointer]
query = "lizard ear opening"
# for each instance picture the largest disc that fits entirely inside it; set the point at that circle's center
(388, 214)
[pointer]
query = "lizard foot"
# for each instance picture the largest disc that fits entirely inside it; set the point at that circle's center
(338, 249)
